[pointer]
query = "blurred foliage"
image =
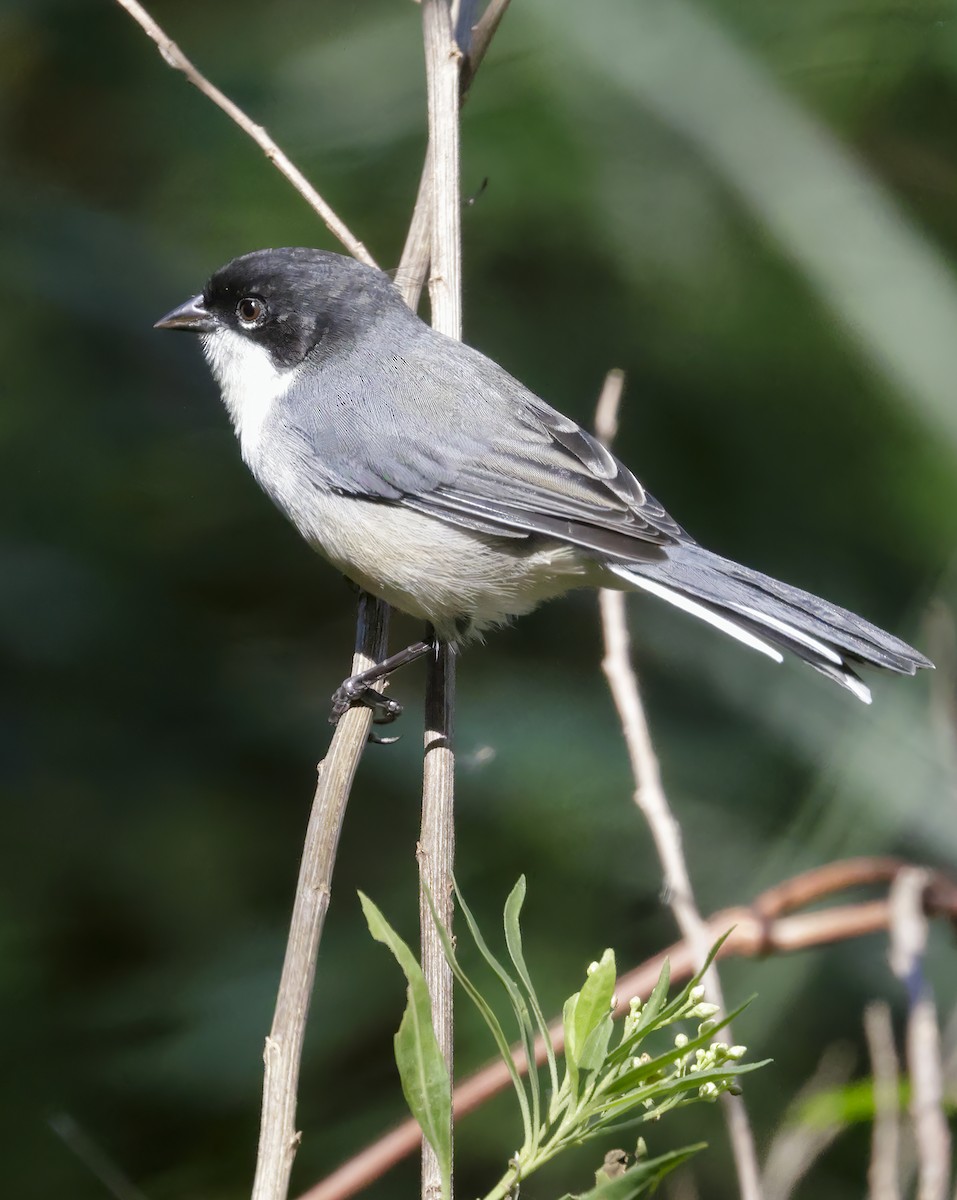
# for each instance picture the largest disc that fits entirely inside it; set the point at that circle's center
(751, 207)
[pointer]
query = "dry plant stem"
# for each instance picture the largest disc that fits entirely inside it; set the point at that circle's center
(908, 945)
(436, 853)
(175, 58)
(416, 255)
(278, 1138)
(442, 60)
(757, 931)
(651, 800)
(883, 1171)
(436, 845)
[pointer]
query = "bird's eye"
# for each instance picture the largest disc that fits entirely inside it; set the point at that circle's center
(251, 312)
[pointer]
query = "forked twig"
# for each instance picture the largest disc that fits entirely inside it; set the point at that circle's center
(653, 803)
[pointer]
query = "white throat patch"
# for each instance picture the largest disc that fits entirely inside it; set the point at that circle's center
(249, 381)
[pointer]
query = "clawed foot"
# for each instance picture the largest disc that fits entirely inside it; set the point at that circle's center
(352, 691)
(358, 689)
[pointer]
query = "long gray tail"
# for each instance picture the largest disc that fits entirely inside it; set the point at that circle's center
(765, 613)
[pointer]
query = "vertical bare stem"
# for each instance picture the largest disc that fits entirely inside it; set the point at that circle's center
(435, 853)
(442, 61)
(416, 253)
(278, 1137)
(882, 1173)
(908, 945)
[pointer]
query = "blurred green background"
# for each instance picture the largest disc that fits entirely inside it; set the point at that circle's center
(751, 207)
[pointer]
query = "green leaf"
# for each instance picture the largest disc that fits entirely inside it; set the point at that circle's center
(660, 1089)
(571, 1064)
(592, 1006)
(530, 1102)
(513, 939)
(595, 1049)
(656, 1001)
(656, 1013)
(422, 1070)
(627, 1047)
(633, 1076)
(641, 1177)
(488, 1016)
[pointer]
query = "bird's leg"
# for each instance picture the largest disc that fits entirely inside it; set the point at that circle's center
(358, 689)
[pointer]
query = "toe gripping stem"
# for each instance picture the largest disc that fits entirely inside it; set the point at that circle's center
(358, 689)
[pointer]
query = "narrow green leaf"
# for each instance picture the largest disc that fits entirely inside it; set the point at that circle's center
(661, 1088)
(657, 1011)
(659, 994)
(490, 1019)
(513, 940)
(628, 1046)
(670, 1010)
(645, 1070)
(422, 1070)
(517, 1001)
(593, 1004)
(571, 1058)
(595, 1049)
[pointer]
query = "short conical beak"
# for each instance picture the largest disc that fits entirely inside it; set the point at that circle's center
(191, 316)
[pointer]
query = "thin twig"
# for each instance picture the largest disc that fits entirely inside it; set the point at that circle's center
(651, 800)
(759, 930)
(416, 255)
(278, 1137)
(175, 58)
(883, 1169)
(908, 944)
(437, 838)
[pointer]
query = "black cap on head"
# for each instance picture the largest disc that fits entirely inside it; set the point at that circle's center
(288, 299)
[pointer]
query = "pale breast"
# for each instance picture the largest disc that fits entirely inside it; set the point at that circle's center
(250, 382)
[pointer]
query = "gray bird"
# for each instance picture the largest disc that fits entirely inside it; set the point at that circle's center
(431, 478)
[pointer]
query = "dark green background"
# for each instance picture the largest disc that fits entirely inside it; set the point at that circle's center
(751, 207)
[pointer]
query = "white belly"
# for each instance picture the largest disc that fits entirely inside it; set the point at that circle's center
(428, 568)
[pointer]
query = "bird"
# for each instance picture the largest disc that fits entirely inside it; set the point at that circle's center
(433, 479)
